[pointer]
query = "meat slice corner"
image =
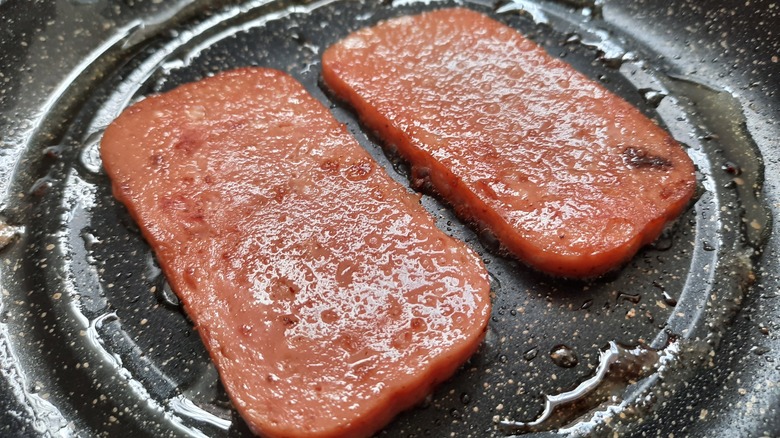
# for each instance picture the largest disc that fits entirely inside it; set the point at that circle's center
(569, 177)
(326, 296)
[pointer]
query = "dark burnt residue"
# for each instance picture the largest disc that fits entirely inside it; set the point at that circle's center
(639, 158)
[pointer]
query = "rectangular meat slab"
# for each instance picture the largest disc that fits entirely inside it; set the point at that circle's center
(323, 291)
(569, 177)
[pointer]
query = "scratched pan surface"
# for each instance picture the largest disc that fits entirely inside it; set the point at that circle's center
(93, 342)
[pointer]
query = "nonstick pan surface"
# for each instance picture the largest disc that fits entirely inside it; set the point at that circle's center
(93, 342)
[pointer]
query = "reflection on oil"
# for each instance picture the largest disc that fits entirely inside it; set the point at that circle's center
(619, 366)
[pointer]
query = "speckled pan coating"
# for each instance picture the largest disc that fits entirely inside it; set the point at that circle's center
(92, 341)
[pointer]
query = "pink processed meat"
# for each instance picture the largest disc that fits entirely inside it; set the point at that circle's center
(323, 291)
(569, 177)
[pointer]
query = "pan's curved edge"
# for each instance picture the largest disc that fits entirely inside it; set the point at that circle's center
(741, 377)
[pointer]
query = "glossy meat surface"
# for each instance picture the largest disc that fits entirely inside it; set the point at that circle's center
(569, 177)
(324, 293)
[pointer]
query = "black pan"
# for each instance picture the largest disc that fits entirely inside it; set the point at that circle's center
(683, 340)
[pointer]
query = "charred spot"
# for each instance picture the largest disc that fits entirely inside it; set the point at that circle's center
(639, 158)
(283, 289)
(188, 143)
(731, 168)
(421, 179)
(289, 321)
(156, 160)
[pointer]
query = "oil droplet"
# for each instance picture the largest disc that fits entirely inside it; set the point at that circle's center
(530, 355)
(489, 240)
(305, 43)
(53, 152)
(426, 403)
(668, 299)
(731, 168)
(564, 356)
(89, 244)
(573, 38)
(652, 97)
(152, 270)
(664, 242)
(89, 157)
(401, 168)
(41, 186)
(759, 350)
(523, 7)
(491, 338)
(611, 53)
(495, 284)
(89, 240)
(167, 296)
(632, 298)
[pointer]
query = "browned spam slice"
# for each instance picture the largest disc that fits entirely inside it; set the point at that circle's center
(325, 294)
(569, 177)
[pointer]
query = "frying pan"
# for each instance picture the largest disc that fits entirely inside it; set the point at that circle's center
(93, 342)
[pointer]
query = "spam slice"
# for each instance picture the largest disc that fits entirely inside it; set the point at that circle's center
(324, 293)
(569, 177)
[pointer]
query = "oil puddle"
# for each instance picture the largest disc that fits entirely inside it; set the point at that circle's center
(204, 400)
(89, 156)
(203, 404)
(187, 408)
(739, 158)
(619, 367)
(533, 10)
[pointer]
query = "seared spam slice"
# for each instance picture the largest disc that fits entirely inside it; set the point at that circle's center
(569, 177)
(323, 291)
